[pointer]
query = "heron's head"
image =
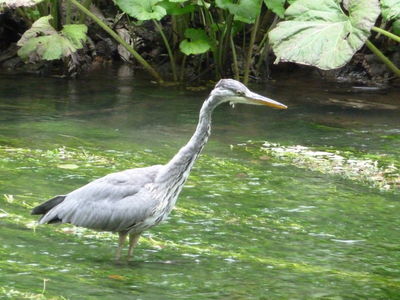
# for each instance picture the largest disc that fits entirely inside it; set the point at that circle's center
(229, 90)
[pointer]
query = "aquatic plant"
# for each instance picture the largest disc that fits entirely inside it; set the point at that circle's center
(374, 172)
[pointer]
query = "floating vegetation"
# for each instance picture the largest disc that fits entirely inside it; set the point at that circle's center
(56, 156)
(9, 198)
(365, 170)
(358, 103)
(16, 294)
(385, 176)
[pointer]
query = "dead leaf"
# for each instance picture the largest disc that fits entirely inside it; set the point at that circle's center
(116, 277)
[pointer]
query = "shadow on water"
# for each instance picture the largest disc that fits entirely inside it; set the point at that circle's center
(248, 224)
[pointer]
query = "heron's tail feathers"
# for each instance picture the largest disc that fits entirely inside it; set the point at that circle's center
(46, 206)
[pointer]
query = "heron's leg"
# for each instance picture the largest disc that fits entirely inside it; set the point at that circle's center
(121, 242)
(133, 239)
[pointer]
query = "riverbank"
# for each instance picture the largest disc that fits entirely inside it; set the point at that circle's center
(101, 50)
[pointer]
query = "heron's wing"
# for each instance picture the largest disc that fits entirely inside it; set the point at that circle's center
(113, 202)
(46, 206)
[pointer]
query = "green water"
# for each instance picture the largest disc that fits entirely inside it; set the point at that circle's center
(246, 226)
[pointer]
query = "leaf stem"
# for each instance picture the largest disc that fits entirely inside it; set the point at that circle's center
(383, 58)
(82, 17)
(111, 32)
(209, 22)
(68, 13)
(250, 51)
(54, 11)
(183, 68)
(387, 33)
(174, 31)
(23, 15)
(224, 39)
(170, 54)
(43, 9)
(234, 58)
(264, 45)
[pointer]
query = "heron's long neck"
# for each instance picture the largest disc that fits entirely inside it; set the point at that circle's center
(176, 171)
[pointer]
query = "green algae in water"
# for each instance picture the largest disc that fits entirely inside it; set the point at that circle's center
(376, 170)
(245, 226)
(261, 231)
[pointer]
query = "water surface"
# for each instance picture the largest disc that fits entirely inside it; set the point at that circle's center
(247, 226)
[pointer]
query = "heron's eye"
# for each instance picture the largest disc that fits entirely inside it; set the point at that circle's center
(239, 92)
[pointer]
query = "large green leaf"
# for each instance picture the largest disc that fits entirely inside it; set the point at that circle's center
(76, 33)
(390, 9)
(47, 47)
(40, 27)
(142, 9)
(197, 42)
(43, 42)
(277, 6)
(319, 33)
(243, 10)
(175, 8)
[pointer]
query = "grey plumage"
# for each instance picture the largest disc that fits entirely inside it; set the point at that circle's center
(49, 204)
(134, 200)
(111, 203)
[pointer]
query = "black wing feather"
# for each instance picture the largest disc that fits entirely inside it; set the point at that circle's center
(46, 206)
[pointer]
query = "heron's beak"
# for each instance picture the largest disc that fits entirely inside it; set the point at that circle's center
(261, 100)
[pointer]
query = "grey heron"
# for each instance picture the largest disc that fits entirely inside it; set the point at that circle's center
(132, 201)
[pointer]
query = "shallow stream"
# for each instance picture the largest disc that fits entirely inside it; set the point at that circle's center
(250, 223)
